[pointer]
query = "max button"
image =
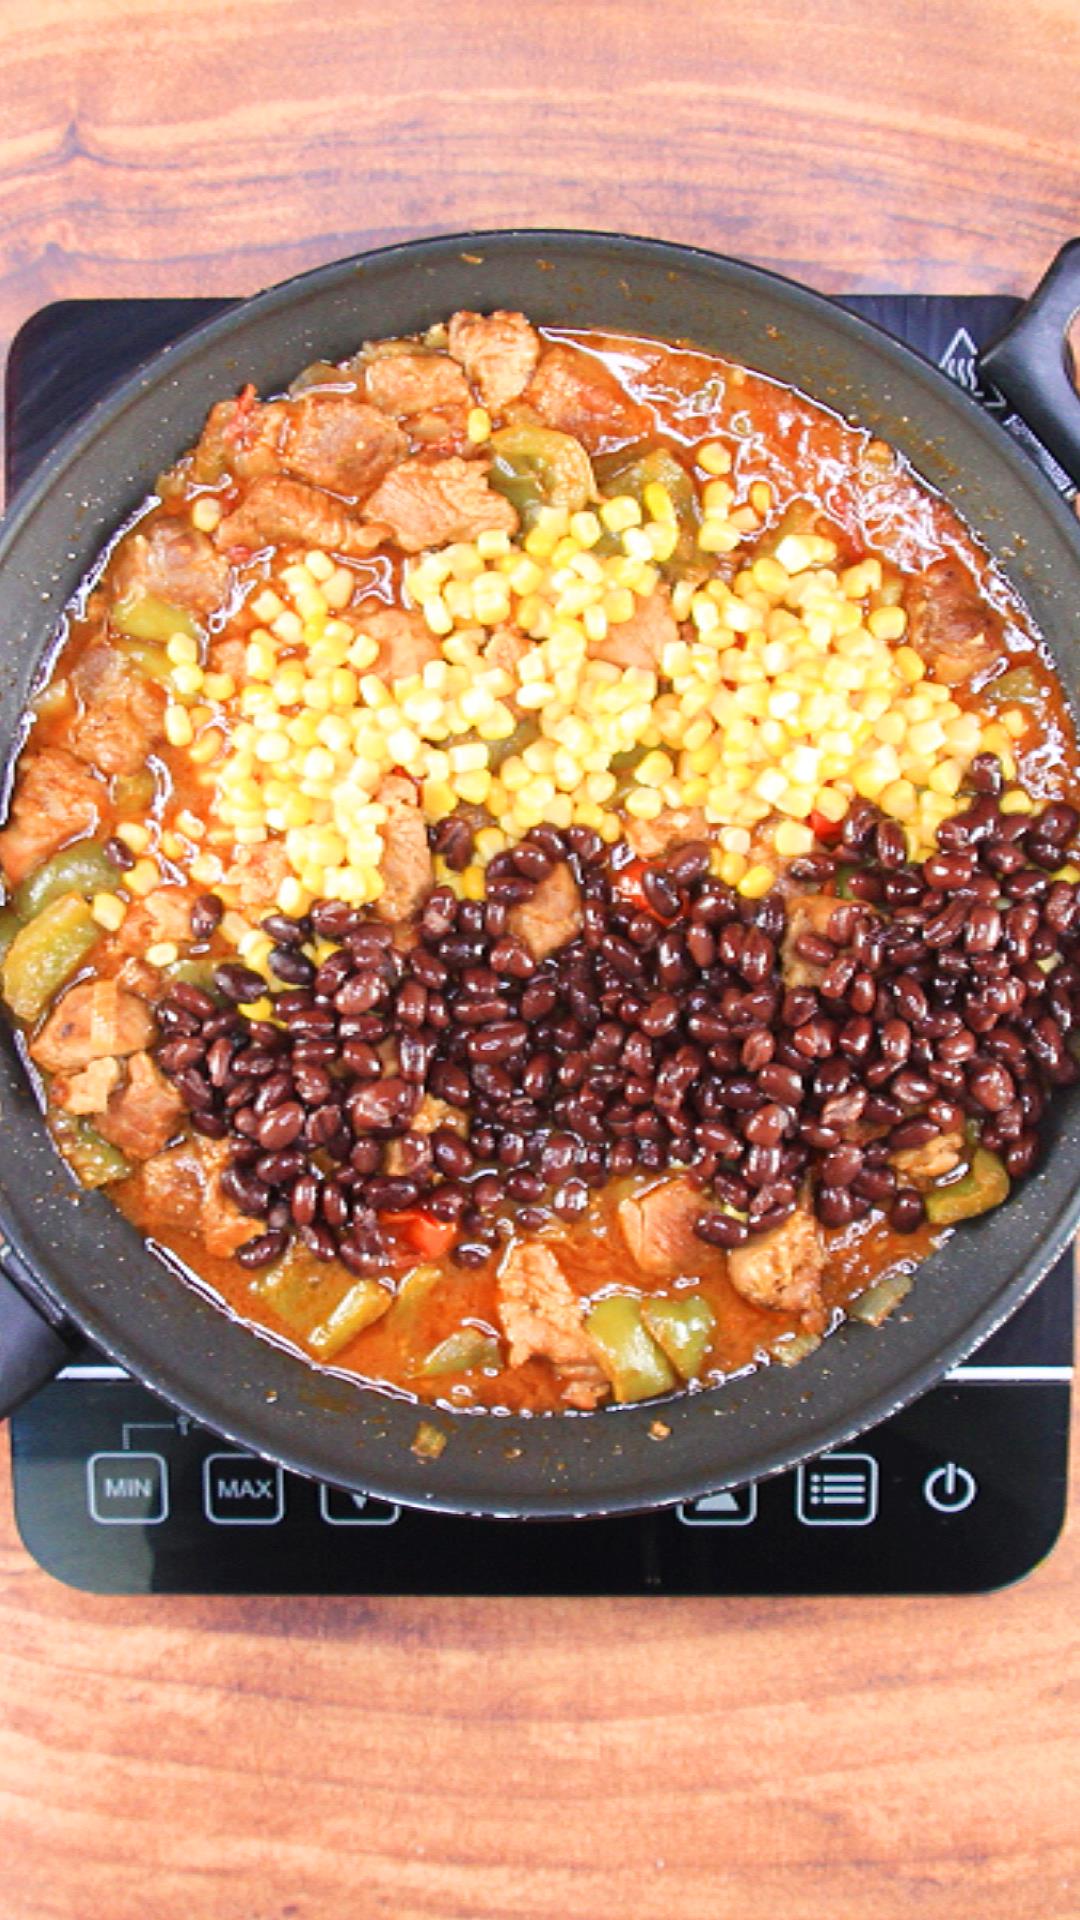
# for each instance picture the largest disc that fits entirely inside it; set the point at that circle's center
(240, 1490)
(127, 1489)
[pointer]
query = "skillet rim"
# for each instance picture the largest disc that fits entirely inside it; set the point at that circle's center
(810, 1435)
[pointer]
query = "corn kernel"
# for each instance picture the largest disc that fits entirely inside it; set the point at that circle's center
(142, 878)
(109, 911)
(206, 513)
(182, 650)
(717, 536)
(163, 953)
(478, 425)
(713, 458)
(179, 731)
(1015, 800)
(756, 882)
(887, 623)
(620, 513)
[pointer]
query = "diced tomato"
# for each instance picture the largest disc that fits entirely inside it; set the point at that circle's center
(628, 883)
(826, 830)
(428, 1237)
(240, 425)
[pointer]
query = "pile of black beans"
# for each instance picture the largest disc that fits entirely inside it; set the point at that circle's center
(664, 1035)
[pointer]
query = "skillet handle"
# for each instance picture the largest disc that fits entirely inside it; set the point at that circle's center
(1032, 362)
(34, 1343)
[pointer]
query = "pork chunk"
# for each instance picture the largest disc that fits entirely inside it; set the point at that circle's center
(505, 650)
(144, 1113)
(94, 1019)
(56, 800)
(416, 383)
(640, 641)
(783, 1269)
(807, 913)
(88, 1091)
(499, 353)
(405, 641)
(241, 437)
(174, 563)
(673, 827)
(542, 1318)
(334, 440)
(278, 509)
(256, 873)
(658, 1228)
(430, 503)
(164, 914)
(577, 394)
(175, 1185)
(954, 631)
(406, 865)
(552, 916)
(921, 1166)
(183, 1185)
(121, 720)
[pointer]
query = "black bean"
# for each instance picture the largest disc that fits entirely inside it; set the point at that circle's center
(907, 1213)
(721, 1229)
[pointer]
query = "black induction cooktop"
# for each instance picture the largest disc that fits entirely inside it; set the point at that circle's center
(114, 1492)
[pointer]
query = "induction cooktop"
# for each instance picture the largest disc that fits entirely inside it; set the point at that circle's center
(116, 1493)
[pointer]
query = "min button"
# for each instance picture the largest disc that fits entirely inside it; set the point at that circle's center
(240, 1490)
(127, 1489)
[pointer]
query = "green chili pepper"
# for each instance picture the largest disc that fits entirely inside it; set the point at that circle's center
(318, 1301)
(658, 466)
(193, 972)
(84, 869)
(535, 467)
(9, 927)
(682, 1326)
(145, 616)
(1020, 685)
(134, 792)
(45, 952)
(93, 1159)
(984, 1185)
(364, 1303)
(637, 1367)
(463, 1351)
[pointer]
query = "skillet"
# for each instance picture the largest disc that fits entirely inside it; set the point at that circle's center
(73, 1264)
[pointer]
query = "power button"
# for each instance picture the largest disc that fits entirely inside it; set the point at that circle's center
(949, 1488)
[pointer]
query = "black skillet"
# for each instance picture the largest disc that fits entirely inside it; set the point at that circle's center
(75, 1264)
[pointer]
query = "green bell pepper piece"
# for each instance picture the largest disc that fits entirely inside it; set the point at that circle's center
(984, 1185)
(45, 952)
(84, 869)
(636, 1366)
(464, 1351)
(682, 1325)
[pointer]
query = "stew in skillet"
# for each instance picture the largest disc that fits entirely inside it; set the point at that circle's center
(541, 870)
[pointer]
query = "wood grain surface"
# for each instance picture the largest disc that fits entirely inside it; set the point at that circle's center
(178, 1759)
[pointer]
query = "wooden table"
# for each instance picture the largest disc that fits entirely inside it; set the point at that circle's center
(182, 1759)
